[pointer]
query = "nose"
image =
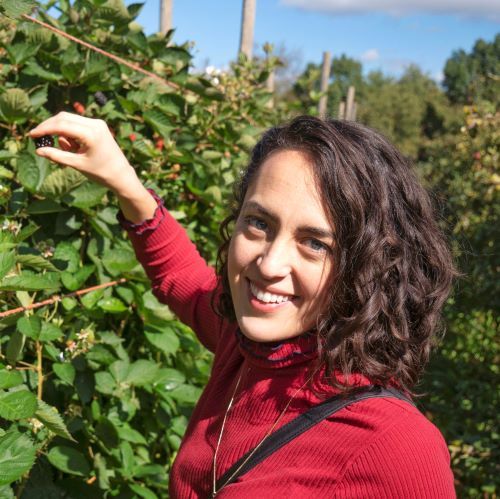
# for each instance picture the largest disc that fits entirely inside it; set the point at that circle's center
(275, 259)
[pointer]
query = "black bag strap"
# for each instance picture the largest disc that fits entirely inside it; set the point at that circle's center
(299, 425)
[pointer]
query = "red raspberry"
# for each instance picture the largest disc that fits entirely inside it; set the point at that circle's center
(132, 137)
(79, 107)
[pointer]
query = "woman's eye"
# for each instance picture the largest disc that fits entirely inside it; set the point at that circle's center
(316, 245)
(255, 222)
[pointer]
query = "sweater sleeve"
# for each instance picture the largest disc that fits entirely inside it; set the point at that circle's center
(402, 462)
(179, 276)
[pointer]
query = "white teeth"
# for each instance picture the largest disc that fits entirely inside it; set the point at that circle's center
(267, 297)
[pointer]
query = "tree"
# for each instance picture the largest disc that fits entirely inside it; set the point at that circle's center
(469, 77)
(409, 110)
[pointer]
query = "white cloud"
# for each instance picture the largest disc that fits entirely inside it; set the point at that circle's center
(370, 55)
(470, 8)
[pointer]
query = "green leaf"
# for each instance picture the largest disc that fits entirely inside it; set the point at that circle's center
(169, 378)
(17, 405)
(8, 379)
(173, 55)
(119, 260)
(153, 310)
(6, 492)
(106, 432)
(15, 105)
(30, 326)
(65, 372)
(70, 64)
(75, 280)
(171, 104)
(214, 194)
(128, 459)
(20, 52)
(115, 10)
(31, 171)
(187, 394)
(127, 433)
(52, 420)
(112, 305)
(105, 383)
(27, 231)
(43, 206)
(35, 261)
(38, 98)
(164, 339)
(15, 346)
(61, 181)
(66, 257)
(34, 69)
(150, 470)
(143, 491)
(142, 372)
(85, 385)
(69, 460)
(90, 299)
(86, 195)
(16, 8)
(17, 456)
(27, 172)
(7, 261)
(28, 281)
(49, 332)
(159, 122)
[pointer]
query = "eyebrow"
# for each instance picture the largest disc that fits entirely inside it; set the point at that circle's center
(315, 231)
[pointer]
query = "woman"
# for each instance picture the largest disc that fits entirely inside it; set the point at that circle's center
(331, 278)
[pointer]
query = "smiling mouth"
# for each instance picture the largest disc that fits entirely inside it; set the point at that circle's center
(266, 297)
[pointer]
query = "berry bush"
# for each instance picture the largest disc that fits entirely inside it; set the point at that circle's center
(96, 389)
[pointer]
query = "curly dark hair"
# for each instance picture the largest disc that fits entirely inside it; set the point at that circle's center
(393, 269)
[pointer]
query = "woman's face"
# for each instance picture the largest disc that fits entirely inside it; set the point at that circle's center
(280, 256)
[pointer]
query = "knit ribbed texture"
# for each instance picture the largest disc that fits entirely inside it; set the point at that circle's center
(377, 448)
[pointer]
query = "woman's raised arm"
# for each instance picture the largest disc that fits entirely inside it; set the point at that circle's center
(180, 277)
(88, 146)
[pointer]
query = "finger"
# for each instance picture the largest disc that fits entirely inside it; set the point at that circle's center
(68, 117)
(61, 157)
(68, 144)
(64, 128)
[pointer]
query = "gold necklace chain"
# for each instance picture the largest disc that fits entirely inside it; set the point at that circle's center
(215, 491)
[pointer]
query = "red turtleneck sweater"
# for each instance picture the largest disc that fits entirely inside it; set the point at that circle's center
(380, 448)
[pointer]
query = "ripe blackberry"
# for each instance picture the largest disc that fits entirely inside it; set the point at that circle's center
(100, 98)
(44, 141)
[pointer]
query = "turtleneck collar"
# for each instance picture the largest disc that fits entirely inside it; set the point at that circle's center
(286, 353)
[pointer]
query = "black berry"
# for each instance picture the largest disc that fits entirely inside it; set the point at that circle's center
(100, 98)
(45, 141)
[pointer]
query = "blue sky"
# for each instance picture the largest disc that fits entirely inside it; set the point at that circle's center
(383, 34)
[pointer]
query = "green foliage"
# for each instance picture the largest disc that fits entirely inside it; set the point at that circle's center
(95, 392)
(475, 76)
(409, 110)
(462, 382)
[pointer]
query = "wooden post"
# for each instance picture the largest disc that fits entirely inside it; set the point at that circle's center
(247, 27)
(349, 107)
(325, 78)
(165, 16)
(341, 110)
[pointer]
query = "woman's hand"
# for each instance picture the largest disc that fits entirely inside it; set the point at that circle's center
(88, 146)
